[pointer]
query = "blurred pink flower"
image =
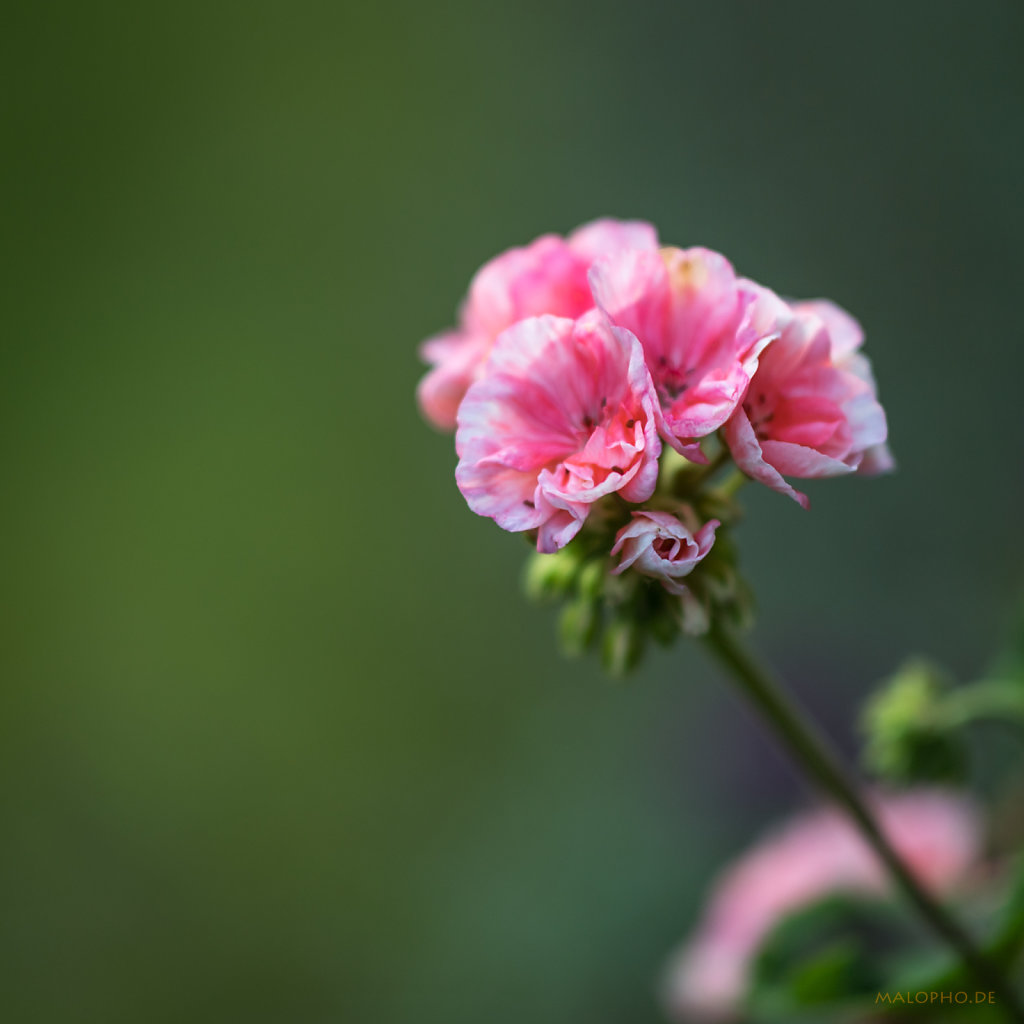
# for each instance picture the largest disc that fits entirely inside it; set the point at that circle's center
(701, 328)
(812, 409)
(548, 276)
(563, 415)
(657, 544)
(938, 834)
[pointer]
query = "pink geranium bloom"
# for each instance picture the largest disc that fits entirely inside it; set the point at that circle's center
(938, 835)
(548, 276)
(564, 415)
(812, 410)
(702, 330)
(657, 544)
(847, 337)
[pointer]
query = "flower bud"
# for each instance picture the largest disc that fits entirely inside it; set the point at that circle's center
(621, 646)
(907, 739)
(592, 579)
(578, 625)
(551, 576)
(658, 544)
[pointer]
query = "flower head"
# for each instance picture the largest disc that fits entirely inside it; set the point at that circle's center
(600, 385)
(938, 835)
(548, 276)
(812, 409)
(702, 330)
(657, 544)
(563, 416)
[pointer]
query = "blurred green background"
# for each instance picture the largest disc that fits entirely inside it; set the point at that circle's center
(280, 740)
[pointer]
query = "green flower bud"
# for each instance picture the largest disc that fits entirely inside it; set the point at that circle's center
(550, 576)
(592, 578)
(907, 738)
(622, 646)
(578, 625)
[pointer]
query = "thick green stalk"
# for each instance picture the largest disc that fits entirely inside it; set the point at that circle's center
(992, 700)
(816, 757)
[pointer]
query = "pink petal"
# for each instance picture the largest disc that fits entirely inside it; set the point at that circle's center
(806, 463)
(846, 334)
(601, 237)
(563, 415)
(746, 451)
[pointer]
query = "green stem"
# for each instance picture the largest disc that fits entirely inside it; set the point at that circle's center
(731, 484)
(692, 477)
(815, 756)
(991, 700)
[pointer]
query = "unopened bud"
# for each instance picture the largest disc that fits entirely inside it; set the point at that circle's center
(592, 578)
(578, 624)
(621, 646)
(906, 737)
(550, 576)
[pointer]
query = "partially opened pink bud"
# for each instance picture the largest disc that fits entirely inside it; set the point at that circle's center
(657, 544)
(548, 276)
(563, 415)
(701, 328)
(812, 408)
(937, 834)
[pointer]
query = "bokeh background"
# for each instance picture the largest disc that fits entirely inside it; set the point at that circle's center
(280, 740)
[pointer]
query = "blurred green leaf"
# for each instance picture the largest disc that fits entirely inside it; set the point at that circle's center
(1008, 945)
(829, 961)
(1001, 917)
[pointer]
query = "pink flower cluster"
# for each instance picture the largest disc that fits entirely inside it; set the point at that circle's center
(576, 360)
(937, 834)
